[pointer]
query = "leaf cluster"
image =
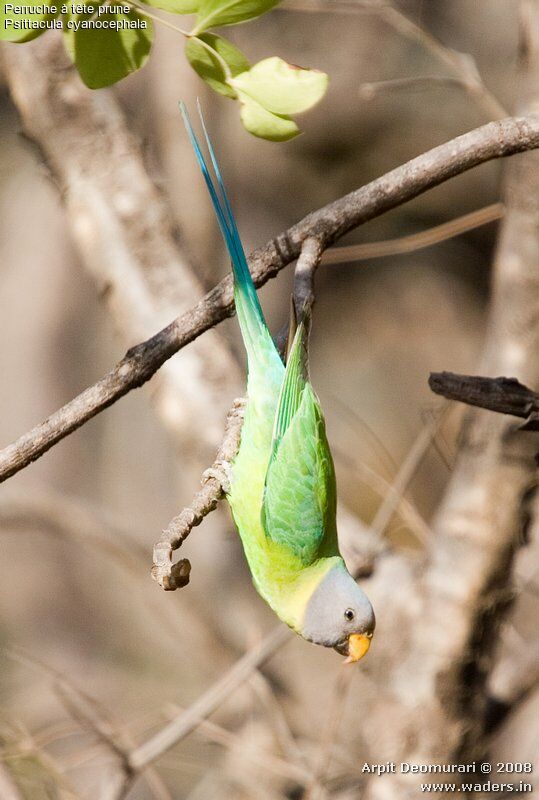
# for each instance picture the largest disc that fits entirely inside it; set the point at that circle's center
(107, 42)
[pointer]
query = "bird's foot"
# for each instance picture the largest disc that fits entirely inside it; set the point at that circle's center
(221, 471)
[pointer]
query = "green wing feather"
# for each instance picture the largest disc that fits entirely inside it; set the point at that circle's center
(294, 382)
(300, 492)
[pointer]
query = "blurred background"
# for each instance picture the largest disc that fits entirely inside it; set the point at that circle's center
(78, 526)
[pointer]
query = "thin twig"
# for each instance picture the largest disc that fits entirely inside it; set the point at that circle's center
(462, 65)
(283, 734)
(392, 500)
(415, 241)
(93, 717)
(411, 517)
(80, 705)
(405, 474)
(173, 576)
(279, 766)
(495, 140)
(327, 6)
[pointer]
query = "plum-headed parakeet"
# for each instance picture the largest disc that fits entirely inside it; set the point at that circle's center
(282, 488)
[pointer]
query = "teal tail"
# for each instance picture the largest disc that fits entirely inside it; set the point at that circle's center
(252, 323)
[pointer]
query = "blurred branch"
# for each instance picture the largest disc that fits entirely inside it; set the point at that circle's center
(8, 788)
(89, 714)
(361, 553)
(504, 395)
(316, 790)
(462, 65)
(72, 519)
(185, 722)
(369, 90)
(415, 241)
(123, 228)
(328, 224)
(409, 514)
(77, 522)
(284, 738)
(406, 472)
(269, 761)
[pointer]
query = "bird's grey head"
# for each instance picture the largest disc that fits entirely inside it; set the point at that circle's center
(339, 615)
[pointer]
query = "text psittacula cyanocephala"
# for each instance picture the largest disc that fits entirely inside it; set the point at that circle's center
(282, 488)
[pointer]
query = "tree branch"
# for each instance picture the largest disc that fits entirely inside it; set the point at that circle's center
(504, 395)
(328, 224)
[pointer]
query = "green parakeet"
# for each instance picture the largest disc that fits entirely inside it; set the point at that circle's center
(282, 488)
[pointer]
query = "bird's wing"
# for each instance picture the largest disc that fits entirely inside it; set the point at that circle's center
(300, 494)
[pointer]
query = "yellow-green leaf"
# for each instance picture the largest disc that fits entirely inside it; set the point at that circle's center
(210, 56)
(262, 123)
(107, 46)
(175, 6)
(18, 27)
(282, 88)
(213, 13)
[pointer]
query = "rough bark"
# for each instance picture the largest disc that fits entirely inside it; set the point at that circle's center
(437, 695)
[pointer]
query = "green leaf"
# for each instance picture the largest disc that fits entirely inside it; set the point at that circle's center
(208, 63)
(213, 13)
(103, 54)
(174, 6)
(282, 88)
(24, 27)
(262, 123)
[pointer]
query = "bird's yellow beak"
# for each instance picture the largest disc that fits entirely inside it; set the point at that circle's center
(358, 646)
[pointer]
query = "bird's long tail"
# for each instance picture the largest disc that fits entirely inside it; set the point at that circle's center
(252, 323)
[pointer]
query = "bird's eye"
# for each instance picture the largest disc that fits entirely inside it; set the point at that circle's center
(349, 614)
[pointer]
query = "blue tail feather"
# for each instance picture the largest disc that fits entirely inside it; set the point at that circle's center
(250, 314)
